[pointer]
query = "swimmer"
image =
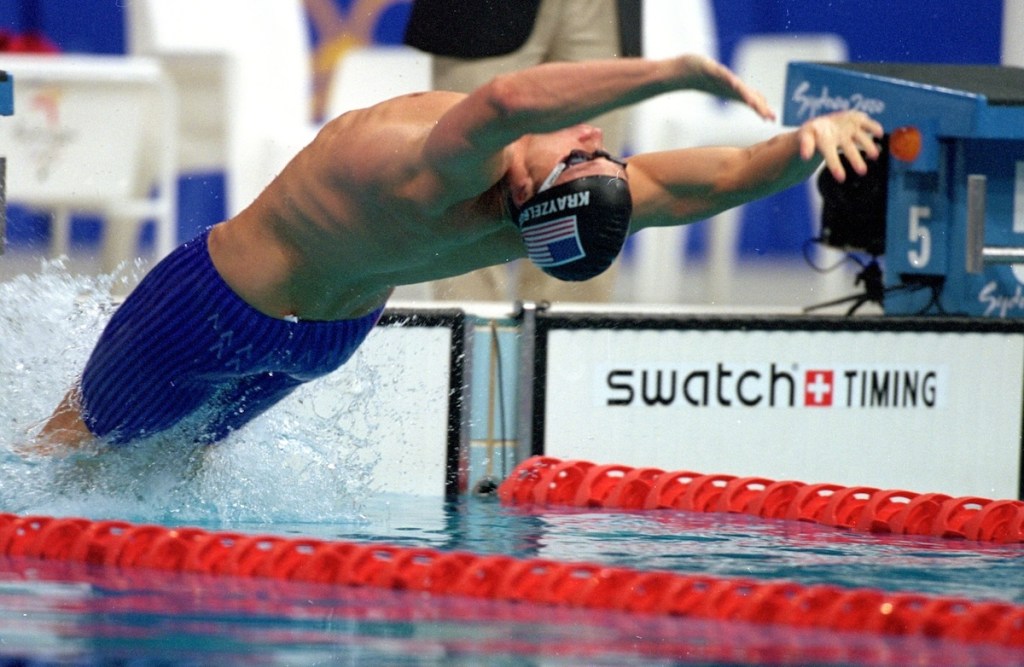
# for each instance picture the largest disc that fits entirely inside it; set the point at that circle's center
(416, 188)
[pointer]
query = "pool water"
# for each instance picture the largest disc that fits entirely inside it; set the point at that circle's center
(292, 476)
(74, 614)
(725, 545)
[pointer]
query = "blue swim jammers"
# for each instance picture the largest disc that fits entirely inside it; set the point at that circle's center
(183, 341)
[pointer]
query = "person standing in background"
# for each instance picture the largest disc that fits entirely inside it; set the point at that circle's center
(472, 41)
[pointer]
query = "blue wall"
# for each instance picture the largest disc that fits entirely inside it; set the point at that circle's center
(926, 31)
(875, 30)
(879, 30)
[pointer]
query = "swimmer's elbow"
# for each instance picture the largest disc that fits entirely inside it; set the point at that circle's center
(504, 96)
(503, 110)
(492, 116)
(517, 106)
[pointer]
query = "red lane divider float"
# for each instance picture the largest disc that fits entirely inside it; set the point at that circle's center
(498, 577)
(544, 480)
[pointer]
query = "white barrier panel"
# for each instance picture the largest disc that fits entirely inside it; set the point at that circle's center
(76, 135)
(410, 374)
(94, 133)
(924, 405)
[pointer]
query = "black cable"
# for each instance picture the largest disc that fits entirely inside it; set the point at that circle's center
(849, 257)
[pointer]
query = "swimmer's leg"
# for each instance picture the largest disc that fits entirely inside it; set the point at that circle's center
(157, 360)
(247, 399)
(65, 431)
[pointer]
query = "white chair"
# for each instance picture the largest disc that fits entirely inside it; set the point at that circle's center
(94, 134)
(244, 77)
(365, 75)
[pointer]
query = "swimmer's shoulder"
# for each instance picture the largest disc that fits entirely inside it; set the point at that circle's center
(425, 106)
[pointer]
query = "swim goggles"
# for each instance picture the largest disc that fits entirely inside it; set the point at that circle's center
(574, 158)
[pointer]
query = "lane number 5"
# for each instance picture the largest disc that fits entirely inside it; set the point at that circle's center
(919, 234)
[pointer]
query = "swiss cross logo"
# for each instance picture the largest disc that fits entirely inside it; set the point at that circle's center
(818, 389)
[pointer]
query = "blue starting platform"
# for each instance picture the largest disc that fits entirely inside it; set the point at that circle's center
(944, 209)
(6, 94)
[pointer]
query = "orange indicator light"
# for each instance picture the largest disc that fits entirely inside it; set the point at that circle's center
(905, 143)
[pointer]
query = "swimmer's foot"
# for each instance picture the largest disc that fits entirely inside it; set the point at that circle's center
(52, 445)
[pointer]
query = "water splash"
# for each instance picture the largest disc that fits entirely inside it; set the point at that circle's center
(307, 460)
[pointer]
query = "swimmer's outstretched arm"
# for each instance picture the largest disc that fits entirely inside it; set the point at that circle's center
(682, 186)
(466, 144)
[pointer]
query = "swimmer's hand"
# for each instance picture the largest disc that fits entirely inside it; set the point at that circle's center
(710, 76)
(847, 132)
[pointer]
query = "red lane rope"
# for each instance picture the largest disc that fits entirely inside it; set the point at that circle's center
(498, 577)
(545, 480)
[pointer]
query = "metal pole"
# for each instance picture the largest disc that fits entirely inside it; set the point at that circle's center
(978, 254)
(976, 188)
(524, 401)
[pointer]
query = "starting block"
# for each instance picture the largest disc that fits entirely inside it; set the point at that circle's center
(953, 228)
(6, 94)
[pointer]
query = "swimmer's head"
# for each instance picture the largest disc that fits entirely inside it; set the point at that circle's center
(576, 229)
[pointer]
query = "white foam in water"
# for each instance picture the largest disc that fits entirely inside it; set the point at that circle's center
(280, 467)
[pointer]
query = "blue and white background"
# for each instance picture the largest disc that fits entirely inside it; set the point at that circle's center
(924, 31)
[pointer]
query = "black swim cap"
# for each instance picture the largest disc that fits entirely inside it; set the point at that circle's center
(574, 231)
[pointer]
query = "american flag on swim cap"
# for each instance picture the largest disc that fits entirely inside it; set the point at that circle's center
(554, 242)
